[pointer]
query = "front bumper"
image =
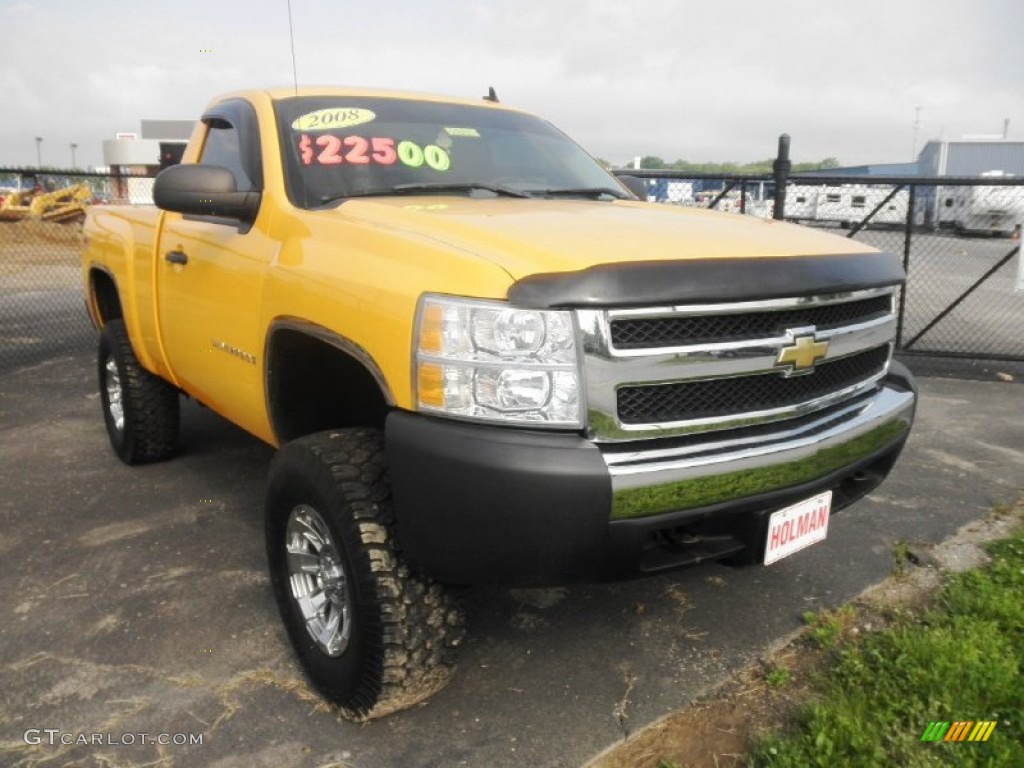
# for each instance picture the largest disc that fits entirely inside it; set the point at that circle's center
(479, 504)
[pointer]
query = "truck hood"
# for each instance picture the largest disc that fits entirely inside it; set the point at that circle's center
(530, 236)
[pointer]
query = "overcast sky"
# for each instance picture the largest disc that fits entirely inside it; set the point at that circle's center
(715, 80)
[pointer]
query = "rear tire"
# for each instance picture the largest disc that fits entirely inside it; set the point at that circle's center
(372, 636)
(141, 410)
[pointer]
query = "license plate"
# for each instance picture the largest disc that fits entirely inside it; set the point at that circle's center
(793, 528)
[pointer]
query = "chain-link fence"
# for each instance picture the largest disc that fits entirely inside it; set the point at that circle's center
(42, 302)
(960, 245)
(958, 239)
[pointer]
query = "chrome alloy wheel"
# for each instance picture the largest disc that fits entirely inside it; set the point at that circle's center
(115, 405)
(317, 580)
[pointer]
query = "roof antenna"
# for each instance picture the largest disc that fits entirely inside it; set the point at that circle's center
(491, 95)
(291, 34)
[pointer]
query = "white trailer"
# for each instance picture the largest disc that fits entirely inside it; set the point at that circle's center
(980, 210)
(847, 204)
(802, 203)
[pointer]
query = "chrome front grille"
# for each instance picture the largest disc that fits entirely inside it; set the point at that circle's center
(721, 397)
(654, 332)
(697, 368)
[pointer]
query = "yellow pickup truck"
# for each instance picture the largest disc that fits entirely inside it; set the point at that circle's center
(483, 360)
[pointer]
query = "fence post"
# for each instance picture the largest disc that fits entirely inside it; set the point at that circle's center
(908, 235)
(781, 168)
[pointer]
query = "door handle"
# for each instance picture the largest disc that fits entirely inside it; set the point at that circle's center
(176, 257)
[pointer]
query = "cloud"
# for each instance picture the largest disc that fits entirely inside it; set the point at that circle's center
(708, 81)
(17, 8)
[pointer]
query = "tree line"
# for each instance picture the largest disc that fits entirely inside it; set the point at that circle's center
(653, 162)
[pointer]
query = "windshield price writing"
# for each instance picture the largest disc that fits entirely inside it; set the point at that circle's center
(328, 149)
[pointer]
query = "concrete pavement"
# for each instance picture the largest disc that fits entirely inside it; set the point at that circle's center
(135, 600)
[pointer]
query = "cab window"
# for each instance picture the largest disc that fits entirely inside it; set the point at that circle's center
(222, 148)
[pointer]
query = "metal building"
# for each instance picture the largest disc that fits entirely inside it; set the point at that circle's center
(129, 157)
(874, 169)
(161, 145)
(972, 157)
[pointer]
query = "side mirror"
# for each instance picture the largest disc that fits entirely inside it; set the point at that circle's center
(204, 190)
(636, 185)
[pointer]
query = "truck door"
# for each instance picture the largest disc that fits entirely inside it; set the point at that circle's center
(210, 274)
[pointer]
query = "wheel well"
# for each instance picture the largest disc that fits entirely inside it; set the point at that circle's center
(104, 292)
(313, 385)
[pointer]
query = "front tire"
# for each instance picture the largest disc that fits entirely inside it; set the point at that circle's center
(372, 636)
(141, 410)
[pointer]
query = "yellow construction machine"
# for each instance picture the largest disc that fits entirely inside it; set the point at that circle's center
(58, 205)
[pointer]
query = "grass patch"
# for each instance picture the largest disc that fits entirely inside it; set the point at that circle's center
(829, 627)
(961, 660)
(902, 557)
(777, 677)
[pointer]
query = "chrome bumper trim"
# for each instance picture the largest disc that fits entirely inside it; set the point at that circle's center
(699, 474)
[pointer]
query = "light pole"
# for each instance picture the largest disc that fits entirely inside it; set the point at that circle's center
(39, 154)
(73, 148)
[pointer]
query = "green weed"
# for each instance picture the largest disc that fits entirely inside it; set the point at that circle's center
(828, 627)
(902, 557)
(777, 677)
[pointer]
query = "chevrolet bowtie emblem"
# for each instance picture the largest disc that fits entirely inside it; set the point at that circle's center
(803, 353)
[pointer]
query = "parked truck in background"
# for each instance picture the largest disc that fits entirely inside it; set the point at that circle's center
(483, 361)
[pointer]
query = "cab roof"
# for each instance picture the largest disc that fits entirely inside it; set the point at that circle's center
(287, 92)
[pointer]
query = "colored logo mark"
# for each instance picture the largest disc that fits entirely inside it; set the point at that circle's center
(803, 353)
(961, 730)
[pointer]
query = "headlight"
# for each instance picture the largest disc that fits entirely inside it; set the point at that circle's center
(486, 360)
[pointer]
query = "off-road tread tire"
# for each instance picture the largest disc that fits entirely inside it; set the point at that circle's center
(152, 415)
(406, 627)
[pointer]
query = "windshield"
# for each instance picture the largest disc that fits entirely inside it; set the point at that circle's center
(339, 147)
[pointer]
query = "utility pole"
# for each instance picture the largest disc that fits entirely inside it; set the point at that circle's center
(73, 148)
(39, 154)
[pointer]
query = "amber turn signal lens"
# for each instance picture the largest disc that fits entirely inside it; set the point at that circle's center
(430, 329)
(430, 385)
